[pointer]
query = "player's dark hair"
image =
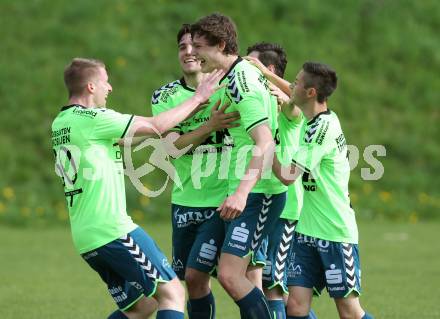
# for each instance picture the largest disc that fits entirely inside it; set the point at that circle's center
(79, 72)
(321, 77)
(217, 28)
(184, 29)
(271, 53)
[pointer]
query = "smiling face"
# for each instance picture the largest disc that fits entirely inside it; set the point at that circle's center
(101, 87)
(187, 59)
(210, 56)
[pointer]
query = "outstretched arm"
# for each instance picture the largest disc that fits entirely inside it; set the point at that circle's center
(162, 122)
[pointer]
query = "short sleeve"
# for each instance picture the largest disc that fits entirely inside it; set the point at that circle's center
(111, 124)
(316, 143)
(252, 112)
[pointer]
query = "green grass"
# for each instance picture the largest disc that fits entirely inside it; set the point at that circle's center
(43, 277)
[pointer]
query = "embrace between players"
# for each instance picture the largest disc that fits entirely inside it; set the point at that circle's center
(271, 220)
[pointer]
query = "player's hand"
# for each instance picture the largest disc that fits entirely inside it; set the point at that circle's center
(220, 120)
(282, 98)
(233, 206)
(258, 64)
(208, 86)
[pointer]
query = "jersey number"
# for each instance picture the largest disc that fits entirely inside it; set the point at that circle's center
(67, 169)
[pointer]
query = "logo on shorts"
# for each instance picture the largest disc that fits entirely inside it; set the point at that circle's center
(177, 265)
(267, 270)
(323, 245)
(294, 270)
(165, 263)
(90, 255)
(240, 234)
(118, 293)
(184, 219)
(135, 285)
(333, 276)
(208, 250)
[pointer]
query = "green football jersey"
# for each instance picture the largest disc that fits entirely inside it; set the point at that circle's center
(289, 142)
(248, 92)
(89, 162)
(198, 170)
(326, 212)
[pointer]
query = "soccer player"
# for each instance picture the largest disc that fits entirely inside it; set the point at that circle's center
(271, 59)
(325, 248)
(254, 203)
(85, 137)
(198, 230)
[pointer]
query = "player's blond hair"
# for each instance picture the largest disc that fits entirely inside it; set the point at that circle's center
(79, 72)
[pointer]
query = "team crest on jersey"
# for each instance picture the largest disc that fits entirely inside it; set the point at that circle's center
(162, 94)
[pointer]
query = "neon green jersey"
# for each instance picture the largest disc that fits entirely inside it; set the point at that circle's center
(322, 154)
(89, 161)
(198, 170)
(247, 91)
(289, 131)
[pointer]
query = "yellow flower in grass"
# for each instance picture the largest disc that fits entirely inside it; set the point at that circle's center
(354, 198)
(40, 211)
(121, 62)
(62, 214)
(367, 188)
(385, 196)
(8, 193)
(25, 211)
(413, 218)
(137, 215)
(144, 201)
(423, 198)
(2, 208)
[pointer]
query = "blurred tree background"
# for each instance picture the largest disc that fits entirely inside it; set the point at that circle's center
(386, 52)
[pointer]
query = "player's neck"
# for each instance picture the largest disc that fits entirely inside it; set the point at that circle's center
(227, 62)
(86, 101)
(314, 108)
(192, 80)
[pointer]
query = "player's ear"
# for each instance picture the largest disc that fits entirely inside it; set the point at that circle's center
(222, 45)
(271, 68)
(90, 87)
(311, 92)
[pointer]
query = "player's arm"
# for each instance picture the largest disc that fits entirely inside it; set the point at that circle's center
(218, 120)
(164, 121)
(286, 174)
(272, 77)
(290, 110)
(280, 88)
(265, 147)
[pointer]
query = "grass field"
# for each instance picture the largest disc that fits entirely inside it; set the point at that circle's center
(42, 276)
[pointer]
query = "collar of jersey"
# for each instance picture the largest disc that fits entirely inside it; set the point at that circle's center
(318, 115)
(185, 86)
(238, 60)
(70, 106)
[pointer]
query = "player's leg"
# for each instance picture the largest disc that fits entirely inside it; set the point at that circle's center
(274, 280)
(243, 237)
(202, 262)
(254, 274)
(130, 273)
(255, 269)
(160, 281)
(305, 276)
(343, 277)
